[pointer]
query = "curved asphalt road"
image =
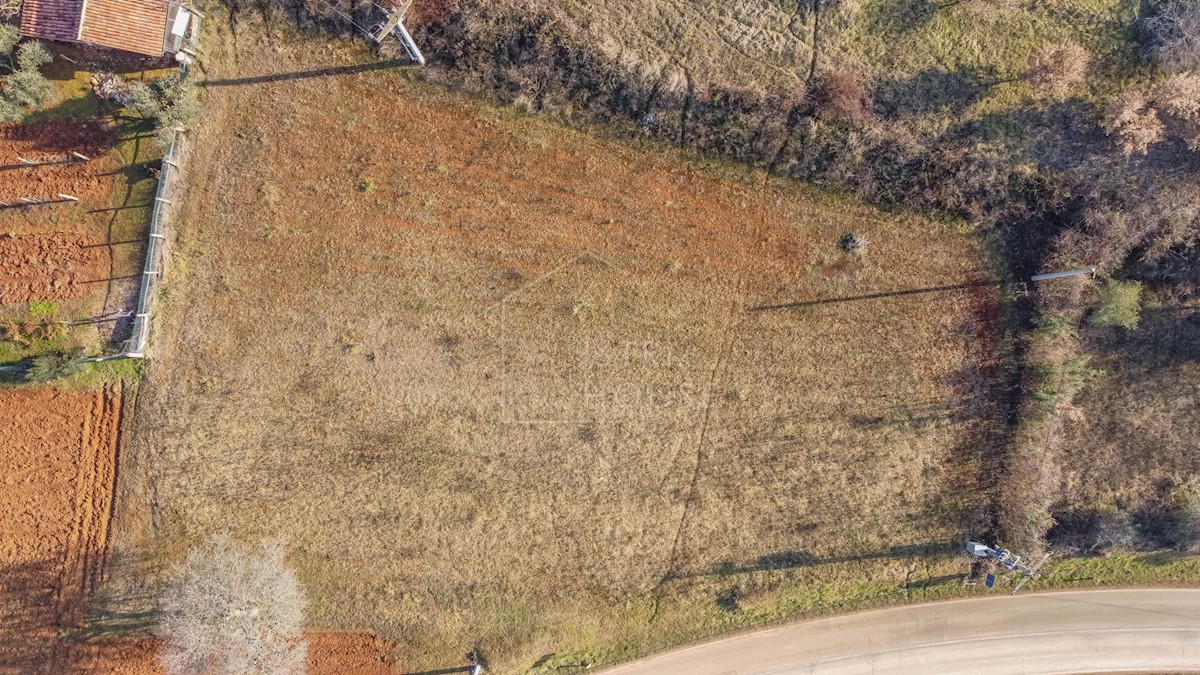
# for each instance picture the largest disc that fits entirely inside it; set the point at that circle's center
(1143, 631)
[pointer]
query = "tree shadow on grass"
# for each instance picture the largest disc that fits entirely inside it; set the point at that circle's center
(901, 16)
(786, 560)
(308, 74)
(935, 90)
(1166, 338)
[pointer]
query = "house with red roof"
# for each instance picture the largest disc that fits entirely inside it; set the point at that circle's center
(146, 27)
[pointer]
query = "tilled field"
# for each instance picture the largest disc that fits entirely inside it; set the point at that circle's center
(57, 465)
(88, 181)
(86, 251)
(57, 266)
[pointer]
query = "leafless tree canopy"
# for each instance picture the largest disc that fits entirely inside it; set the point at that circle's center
(841, 97)
(1152, 220)
(1057, 68)
(1191, 134)
(1176, 33)
(231, 610)
(1133, 122)
(1179, 95)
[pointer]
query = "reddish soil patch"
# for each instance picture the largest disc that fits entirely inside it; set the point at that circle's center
(362, 653)
(57, 468)
(329, 653)
(52, 141)
(48, 267)
(425, 12)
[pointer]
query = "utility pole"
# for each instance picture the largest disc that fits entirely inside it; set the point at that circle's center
(394, 25)
(1008, 559)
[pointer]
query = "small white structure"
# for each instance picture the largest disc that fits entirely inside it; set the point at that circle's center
(978, 550)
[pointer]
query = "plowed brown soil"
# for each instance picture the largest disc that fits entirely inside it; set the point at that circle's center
(57, 465)
(54, 141)
(52, 251)
(49, 267)
(329, 653)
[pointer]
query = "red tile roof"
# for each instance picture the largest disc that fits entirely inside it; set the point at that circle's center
(137, 26)
(51, 19)
(133, 25)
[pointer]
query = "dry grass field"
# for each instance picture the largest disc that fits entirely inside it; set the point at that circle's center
(1133, 438)
(498, 382)
(942, 60)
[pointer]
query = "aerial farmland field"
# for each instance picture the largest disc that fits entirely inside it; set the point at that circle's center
(499, 383)
(58, 463)
(610, 329)
(83, 256)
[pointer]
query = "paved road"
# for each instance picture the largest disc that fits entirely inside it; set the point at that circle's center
(1077, 632)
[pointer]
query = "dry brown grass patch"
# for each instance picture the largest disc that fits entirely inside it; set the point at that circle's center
(518, 384)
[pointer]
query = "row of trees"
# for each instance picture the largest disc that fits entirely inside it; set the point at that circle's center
(172, 100)
(23, 87)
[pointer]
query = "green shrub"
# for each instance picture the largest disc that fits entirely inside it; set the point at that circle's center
(1054, 325)
(25, 88)
(1120, 306)
(43, 309)
(53, 366)
(1060, 384)
(172, 100)
(9, 37)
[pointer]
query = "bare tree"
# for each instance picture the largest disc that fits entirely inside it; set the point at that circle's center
(232, 610)
(1191, 134)
(1179, 95)
(841, 97)
(1057, 68)
(1135, 124)
(1176, 35)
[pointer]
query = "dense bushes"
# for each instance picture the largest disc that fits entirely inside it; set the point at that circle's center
(1121, 305)
(171, 100)
(1175, 36)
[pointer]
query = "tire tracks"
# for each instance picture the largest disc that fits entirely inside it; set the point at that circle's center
(92, 517)
(734, 320)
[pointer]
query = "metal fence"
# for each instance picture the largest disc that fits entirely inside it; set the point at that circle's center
(168, 186)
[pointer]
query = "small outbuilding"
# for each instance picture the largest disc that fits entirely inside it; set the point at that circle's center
(147, 27)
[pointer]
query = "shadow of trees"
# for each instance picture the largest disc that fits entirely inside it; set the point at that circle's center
(785, 560)
(29, 617)
(935, 90)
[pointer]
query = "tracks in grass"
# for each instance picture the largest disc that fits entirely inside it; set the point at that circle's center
(731, 328)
